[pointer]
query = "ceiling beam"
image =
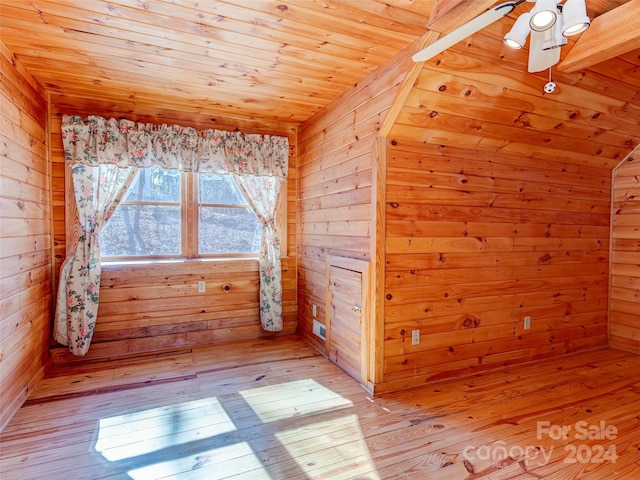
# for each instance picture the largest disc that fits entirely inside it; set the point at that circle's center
(448, 15)
(611, 34)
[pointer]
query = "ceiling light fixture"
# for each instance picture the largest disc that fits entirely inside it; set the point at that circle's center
(569, 19)
(575, 17)
(544, 15)
(538, 24)
(517, 37)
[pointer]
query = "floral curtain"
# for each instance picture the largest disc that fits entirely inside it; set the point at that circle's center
(262, 193)
(126, 145)
(98, 191)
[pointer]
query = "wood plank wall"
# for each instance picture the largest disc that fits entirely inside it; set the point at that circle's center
(475, 242)
(337, 185)
(624, 306)
(154, 307)
(497, 208)
(25, 236)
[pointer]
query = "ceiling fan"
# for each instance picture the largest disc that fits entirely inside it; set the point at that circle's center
(549, 23)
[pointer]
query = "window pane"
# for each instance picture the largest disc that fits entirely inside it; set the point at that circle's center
(155, 185)
(220, 190)
(141, 230)
(228, 230)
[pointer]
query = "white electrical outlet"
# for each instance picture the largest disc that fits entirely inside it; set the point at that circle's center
(415, 337)
(527, 322)
(314, 310)
(202, 286)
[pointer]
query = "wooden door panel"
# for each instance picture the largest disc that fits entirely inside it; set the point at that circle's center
(345, 328)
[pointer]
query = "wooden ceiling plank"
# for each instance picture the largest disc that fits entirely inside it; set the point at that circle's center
(139, 106)
(598, 7)
(146, 113)
(533, 123)
(587, 176)
(611, 34)
(447, 15)
(67, 21)
(617, 69)
(471, 141)
(176, 67)
(632, 57)
(522, 104)
(405, 11)
(186, 102)
(297, 81)
(498, 131)
(343, 15)
(203, 88)
(96, 78)
(480, 65)
(485, 52)
(39, 43)
(263, 27)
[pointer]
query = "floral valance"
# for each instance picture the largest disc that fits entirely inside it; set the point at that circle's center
(96, 140)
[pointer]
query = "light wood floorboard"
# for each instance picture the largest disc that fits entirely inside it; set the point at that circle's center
(276, 409)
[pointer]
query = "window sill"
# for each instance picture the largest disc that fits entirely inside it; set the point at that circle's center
(217, 263)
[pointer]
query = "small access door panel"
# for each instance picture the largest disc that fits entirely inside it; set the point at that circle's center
(347, 340)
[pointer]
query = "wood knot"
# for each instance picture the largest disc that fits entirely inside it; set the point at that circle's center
(545, 258)
(470, 322)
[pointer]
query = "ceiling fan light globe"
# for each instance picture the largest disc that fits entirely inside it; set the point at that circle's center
(544, 15)
(517, 36)
(543, 21)
(512, 43)
(575, 29)
(575, 17)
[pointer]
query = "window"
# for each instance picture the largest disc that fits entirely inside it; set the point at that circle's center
(226, 224)
(169, 214)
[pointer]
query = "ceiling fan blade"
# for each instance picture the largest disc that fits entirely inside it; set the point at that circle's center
(539, 58)
(472, 26)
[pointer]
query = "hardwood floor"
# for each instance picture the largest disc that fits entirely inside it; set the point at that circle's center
(275, 409)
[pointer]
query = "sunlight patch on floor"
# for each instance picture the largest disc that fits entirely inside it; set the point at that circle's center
(140, 433)
(321, 447)
(292, 399)
(298, 428)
